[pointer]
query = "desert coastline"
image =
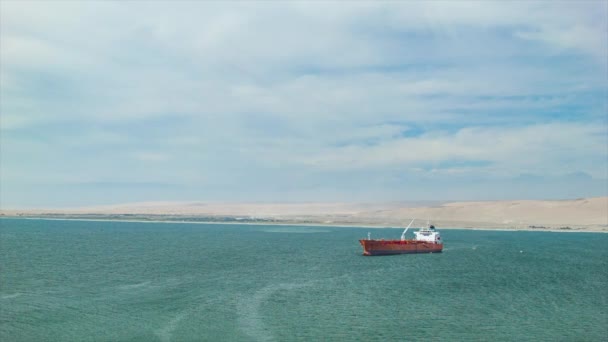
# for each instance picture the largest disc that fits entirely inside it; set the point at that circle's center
(577, 215)
(319, 225)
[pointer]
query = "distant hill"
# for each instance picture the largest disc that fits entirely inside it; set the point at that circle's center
(584, 213)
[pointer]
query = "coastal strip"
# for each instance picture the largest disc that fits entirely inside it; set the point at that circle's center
(312, 225)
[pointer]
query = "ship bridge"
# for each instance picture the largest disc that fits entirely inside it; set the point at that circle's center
(428, 235)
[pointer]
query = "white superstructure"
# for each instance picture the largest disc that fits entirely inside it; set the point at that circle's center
(428, 235)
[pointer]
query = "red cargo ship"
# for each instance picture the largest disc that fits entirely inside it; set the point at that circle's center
(426, 240)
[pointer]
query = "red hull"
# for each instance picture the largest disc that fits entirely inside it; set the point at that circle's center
(386, 247)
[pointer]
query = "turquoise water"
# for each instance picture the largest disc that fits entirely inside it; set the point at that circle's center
(127, 281)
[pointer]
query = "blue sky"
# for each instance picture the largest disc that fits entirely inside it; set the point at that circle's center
(114, 102)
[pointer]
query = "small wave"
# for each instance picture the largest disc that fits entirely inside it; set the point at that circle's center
(295, 231)
(249, 317)
(452, 248)
(166, 332)
(10, 296)
(134, 286)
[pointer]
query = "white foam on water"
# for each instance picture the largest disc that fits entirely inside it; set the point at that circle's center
(452, 248)
(134, 286)
(295, 230)
(10, 296)
(251, 321)
(166, 332)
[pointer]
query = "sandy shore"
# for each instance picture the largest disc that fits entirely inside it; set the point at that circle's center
(278, 224)
(586, 214)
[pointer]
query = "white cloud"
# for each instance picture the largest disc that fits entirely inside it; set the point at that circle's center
(151, 156)
(590, 40)
(550, 149)
(301, 88)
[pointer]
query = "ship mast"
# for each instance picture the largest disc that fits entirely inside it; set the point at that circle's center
(406, 228)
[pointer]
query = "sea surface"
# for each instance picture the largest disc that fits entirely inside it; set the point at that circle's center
(129, 281)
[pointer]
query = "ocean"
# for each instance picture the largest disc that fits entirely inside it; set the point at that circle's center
(132, 281)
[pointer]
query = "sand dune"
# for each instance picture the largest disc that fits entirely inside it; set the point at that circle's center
(589, 211)
(581, 214)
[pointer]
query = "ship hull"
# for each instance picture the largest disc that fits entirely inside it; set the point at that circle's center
(389, 247)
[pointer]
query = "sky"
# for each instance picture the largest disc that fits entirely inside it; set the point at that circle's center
(115, 102)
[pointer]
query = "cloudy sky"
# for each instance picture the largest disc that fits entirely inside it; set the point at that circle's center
(114, 102)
